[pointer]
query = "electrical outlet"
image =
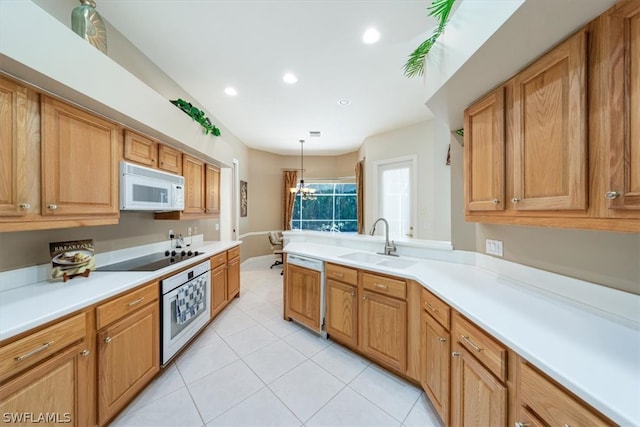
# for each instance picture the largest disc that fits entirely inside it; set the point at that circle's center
(493, 247)
(189, 231)
(171, 235)
(217, 226)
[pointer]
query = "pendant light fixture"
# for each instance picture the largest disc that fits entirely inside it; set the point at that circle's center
(305, 192)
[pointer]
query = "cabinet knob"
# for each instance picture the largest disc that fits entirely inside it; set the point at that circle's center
(353, 294)
(455, 354)
(364, 297)
(611, 195)
(519, 424)
(52, 206)
(496, 201)
(25, 205)
(442, 340)
(515, 200)
(107, 340)
(85, 352)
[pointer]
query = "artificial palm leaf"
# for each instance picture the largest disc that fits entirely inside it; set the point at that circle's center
(439, 9)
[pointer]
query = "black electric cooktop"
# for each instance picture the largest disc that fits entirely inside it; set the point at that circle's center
(151, 262)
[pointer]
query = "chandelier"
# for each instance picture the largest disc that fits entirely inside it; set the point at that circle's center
(305, 192)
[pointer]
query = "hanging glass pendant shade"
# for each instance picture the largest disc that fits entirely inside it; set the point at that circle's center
(300, 189)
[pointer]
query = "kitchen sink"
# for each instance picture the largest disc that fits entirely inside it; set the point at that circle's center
(363, 257)
(382, 260)
(397, 263)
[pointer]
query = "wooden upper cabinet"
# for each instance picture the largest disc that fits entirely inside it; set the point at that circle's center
(169, 159)
(14, 197)
(79, 162)
(140, 149)
(550, 130)
(484, 155)
(212, 192)
(622, 30)
(193, 170)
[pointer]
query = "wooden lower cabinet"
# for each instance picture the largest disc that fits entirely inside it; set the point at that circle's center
(128, 358)
(341, 313)
(54, 392)
(477, 397)
(219, 297)
(543, 402)
(233, 278)
(47, 376)
(302, 298)
(435, 349)
(383, 329)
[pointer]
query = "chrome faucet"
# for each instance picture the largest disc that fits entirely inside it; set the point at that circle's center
(389, 247)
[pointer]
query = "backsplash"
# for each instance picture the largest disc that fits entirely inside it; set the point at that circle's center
(28, 248)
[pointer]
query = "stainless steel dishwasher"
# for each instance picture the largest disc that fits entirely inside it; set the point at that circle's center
(304, 292)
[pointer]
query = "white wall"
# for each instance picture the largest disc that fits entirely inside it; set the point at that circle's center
(429, 141)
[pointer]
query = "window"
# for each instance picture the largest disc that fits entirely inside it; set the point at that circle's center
(334, 208)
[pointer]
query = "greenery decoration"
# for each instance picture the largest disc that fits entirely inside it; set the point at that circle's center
(197, 115)
(460, 132)
(440, 9)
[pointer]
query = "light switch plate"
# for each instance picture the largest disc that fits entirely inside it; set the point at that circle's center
(493, 247)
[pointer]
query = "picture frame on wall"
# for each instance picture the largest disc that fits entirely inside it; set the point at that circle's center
(243, 198)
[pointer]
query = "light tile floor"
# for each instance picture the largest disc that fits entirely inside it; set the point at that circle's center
(249, 367)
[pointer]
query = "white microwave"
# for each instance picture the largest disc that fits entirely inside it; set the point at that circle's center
(146, 189)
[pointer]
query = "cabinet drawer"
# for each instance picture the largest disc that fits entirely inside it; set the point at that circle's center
(484, 348)
(233, 253)
(218, 260)
(438, 309)
(342, 274)
(26, 352)
(551, 403)
(384, 285)
(128, 303)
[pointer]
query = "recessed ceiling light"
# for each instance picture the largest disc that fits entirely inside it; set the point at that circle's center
(371, 36)
(344, 102)
(290, 78)
(231, 91)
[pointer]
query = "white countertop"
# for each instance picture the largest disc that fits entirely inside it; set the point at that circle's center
(595, 355)
(26, 307)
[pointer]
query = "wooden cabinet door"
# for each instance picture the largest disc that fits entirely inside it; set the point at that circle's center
(233, 277)
(140, 149)
(435, 355)
(550, 130)
(219, 294)
(212, 194)
(383, 329)
(302, 301)
(193, 170)
(128, 358)
(79, 162)
(477, 397)
(56, 388)
(14, 197)
(169, 159)
(484, 153)
(341, 312)
(623, 31)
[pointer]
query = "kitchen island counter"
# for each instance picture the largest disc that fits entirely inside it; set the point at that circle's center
(585, 336)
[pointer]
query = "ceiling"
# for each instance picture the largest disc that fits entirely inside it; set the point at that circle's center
(207, 45)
